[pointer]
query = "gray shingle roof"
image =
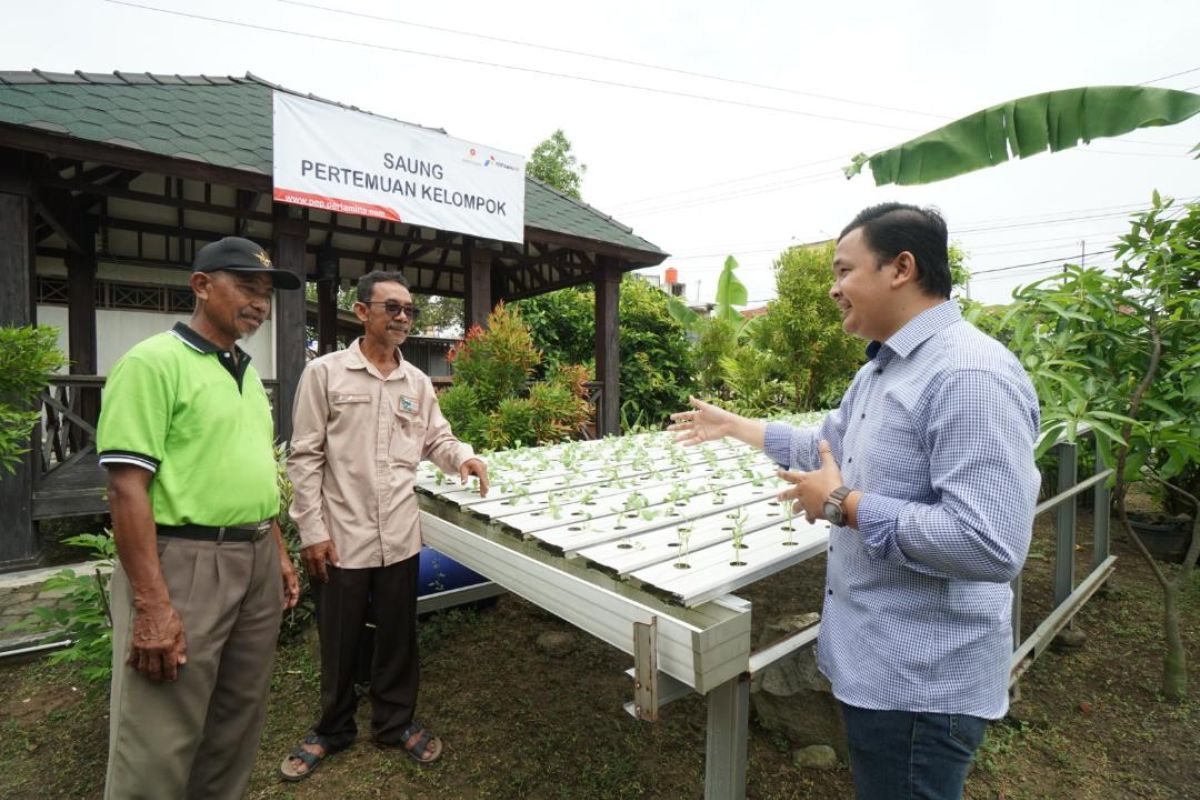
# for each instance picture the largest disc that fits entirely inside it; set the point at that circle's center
(224, 121)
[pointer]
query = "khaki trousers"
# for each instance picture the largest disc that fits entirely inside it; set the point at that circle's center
(196, 737)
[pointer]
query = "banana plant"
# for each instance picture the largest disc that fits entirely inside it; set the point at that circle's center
(1024, 127)
(731, 292)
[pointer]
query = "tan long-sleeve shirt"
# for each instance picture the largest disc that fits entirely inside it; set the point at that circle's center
(357, 439)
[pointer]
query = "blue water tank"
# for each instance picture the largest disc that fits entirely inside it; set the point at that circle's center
(440, 573)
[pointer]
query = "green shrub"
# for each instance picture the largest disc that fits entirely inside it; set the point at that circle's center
(82, 614)
(496, 362)
(27, 356)
(657, 365)
(492, 403)
(296, 619)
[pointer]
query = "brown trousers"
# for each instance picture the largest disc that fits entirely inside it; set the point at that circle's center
(197, 736)
(387, 597)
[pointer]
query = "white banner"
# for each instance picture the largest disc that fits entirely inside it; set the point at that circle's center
(353, 163)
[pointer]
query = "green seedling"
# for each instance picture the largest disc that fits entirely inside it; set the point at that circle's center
(788, 526)
(739, 530)
(684, 533)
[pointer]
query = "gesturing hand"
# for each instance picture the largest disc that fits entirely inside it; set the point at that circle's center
(159, 645)
(812, 488)
(703, 424)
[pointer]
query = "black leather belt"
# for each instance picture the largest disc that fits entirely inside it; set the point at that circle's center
(225, 533)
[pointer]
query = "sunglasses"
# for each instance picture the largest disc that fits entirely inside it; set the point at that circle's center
(394, 309)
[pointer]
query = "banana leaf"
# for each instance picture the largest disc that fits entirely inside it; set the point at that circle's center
(681, 313)
(1025, 127)
(730, 292)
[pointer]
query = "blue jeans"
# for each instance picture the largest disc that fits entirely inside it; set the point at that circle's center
(904, 755)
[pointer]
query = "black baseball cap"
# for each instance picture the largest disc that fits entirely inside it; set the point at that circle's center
(242, 255)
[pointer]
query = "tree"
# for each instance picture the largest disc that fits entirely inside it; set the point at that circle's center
(563, 324)
(656, 360)
(553, 163)
(438, 314)
(802, 329)
(1118, 353)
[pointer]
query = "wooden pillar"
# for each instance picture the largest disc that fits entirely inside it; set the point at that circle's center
(81, 320)
(477, 280)
(290, 234)
(326, 316)
(608, 362)
(19, 545)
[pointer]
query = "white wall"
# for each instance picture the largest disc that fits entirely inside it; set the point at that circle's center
(117, 330)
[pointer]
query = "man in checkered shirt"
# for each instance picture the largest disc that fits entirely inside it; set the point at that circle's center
(927, 475)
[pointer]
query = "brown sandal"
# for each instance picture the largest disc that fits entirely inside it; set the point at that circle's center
(420, 743)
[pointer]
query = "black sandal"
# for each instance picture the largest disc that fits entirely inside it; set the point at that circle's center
(310, 760)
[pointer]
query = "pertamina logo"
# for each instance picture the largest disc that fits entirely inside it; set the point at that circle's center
(473, 157)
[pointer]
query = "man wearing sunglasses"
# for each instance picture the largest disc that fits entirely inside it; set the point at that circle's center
(364, 418)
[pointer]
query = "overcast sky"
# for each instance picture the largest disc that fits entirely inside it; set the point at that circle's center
(743, 162)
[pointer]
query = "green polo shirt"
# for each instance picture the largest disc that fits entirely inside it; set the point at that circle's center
(178, 406)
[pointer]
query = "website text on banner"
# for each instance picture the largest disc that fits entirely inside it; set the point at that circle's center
(351, 162)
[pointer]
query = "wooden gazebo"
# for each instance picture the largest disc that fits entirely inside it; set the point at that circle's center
(110, 182)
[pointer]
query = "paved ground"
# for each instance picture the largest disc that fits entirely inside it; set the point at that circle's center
(21, 593)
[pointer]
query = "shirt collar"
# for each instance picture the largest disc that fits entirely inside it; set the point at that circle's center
(198, 343)
(918, 329)
(356, 360)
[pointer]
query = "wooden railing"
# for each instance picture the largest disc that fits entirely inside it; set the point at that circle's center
(70, 406)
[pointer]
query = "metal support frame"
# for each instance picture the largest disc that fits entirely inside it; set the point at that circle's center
(705, 649)
(701, 647)
(1068, 598)
(645, 670)
(728, 732)
(1064, 522)
(1101, 516)
(1058, 619)
(452, 598)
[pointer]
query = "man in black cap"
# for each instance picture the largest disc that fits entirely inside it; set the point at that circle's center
(187, 436)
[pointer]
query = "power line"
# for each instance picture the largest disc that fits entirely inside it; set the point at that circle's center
(1172, 75)
(1044, 270)
(611, 59)
(731, 180)
(1030, 221)
(804, 180)
(513, 67)
(1057, 246)
(1058, 221)
(1057, 260)
(1039, 215)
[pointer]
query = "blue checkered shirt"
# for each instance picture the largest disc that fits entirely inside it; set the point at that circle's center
(937, 430)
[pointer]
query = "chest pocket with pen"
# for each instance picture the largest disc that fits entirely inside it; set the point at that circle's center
(408, 435)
